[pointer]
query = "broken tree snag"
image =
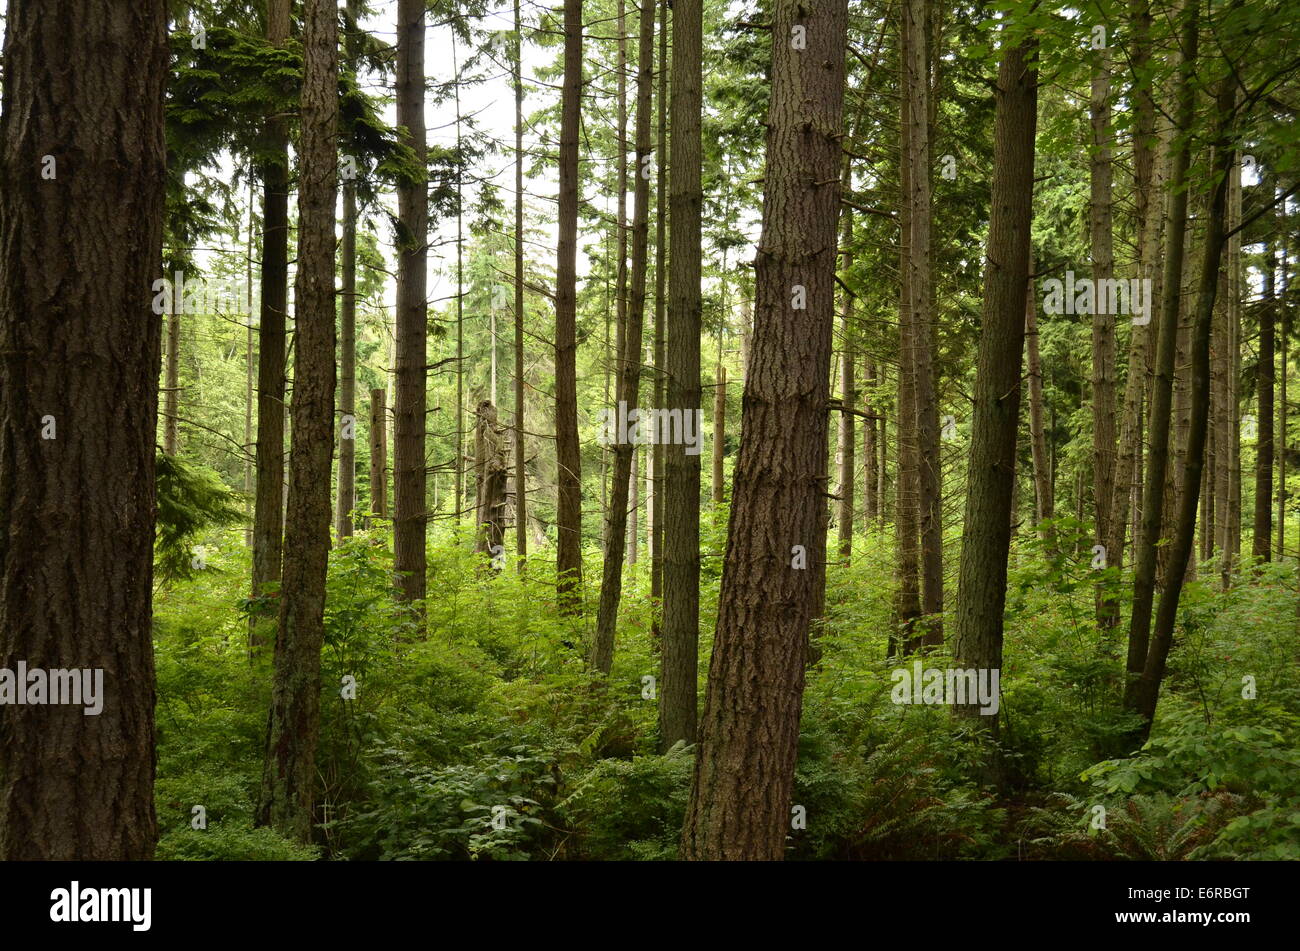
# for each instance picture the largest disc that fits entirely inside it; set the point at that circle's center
(490, 475)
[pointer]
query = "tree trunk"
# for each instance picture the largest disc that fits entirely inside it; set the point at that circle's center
(569, 509)
(521, 482)
(744, 769)
(719, 430)
(83, 85)
(982, 585)
(268, 511)
(848, 395)
(871, 457)
(1145, 690)
(1262, 542)
(629, 365)
(378, 453)
(409, 477)
(289, 775)
(929, 472)
(655, 526)
(172, 374)
(1104, 433)
(907, 595)
(1044, 503)
(490, 471)
(1147, 546)
(681, 581)
(348, 364)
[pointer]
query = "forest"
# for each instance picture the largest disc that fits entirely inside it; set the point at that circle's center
(649, 431)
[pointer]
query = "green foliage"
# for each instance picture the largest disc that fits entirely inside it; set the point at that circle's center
(191, 500)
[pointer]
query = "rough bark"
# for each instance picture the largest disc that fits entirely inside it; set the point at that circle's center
(681, 567)
(268, 511)
(83, 83)
(289, 774)
(568, 522)
(379, 452)
(744, 769)
(982, 584)
(409, 476)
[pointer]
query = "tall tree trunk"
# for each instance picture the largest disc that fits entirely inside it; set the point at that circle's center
(289, 775)
(907, 595)
(83, 85)
(991, 472)
(569, 510)
(1232, 525)
(1147, 545)
(1103, 324)
(681, 580)
(655, 527)
(268, 511)
(347, 500)
(1147, 176)
(719, 430)
(929, 473)
(744, 769)
(1281, 433)
(250, 382)
(409, 475)
(629, 365)
(490, 471)
(1145, 690)
(521, 481)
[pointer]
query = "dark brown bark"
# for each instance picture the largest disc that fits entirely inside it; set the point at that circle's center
(83, 83)
(655, 524)
(490, 472)
(871, 457)
(744, 769)
(982, 585)
(848, 395)
(289, 775)
(409, 476)
(347, 500)
(268, 510)
(681, 566)
(568, 521)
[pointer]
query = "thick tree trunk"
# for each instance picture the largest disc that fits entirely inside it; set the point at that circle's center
(982, 585)
(1147, 546)
(409, 476)
(681, 580)
(629, 366)
(289, 775)
(83, 84)
(268, 511)
(568, 522)
(744, 769)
